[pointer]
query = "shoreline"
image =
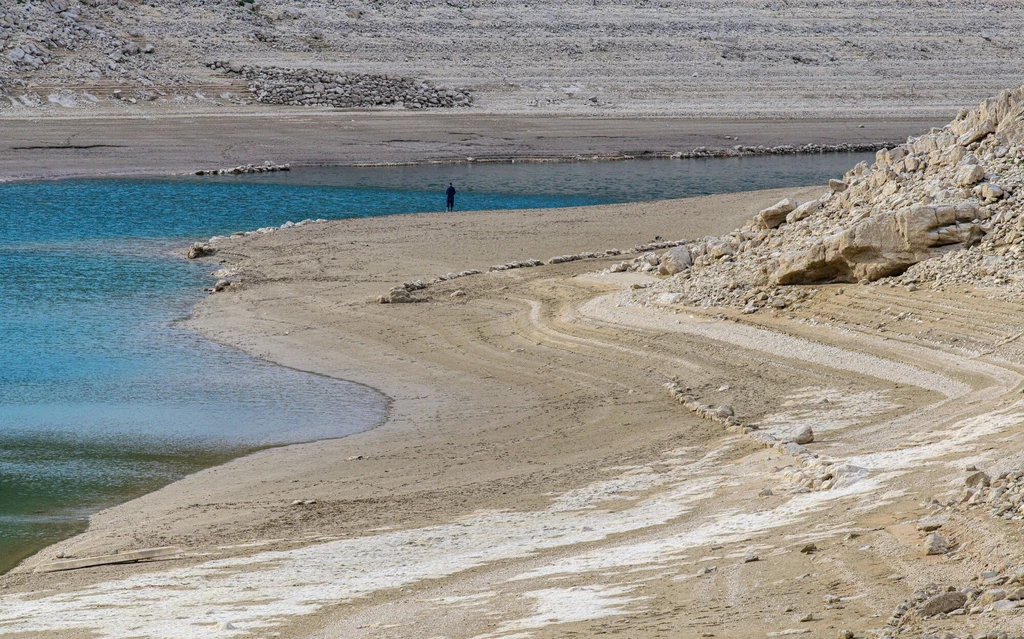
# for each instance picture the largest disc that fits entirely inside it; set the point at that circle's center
(162, 144)
(531, 389)
(402, 219)
(479, 424)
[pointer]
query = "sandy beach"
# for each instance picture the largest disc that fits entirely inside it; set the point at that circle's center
(533, 477)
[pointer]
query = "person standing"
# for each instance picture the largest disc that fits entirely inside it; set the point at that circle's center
(450, 192)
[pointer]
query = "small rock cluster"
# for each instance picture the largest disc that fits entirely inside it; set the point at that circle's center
(723, 414)
(937, 210)
(572, 257)
(266, 167)
(740, 150)
(402, 294)
(1003, 496)
(530, 263)
(200, 250)
(991, 592)
(316, 87)
(266, 229)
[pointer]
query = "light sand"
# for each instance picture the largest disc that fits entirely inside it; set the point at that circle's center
(533, 477)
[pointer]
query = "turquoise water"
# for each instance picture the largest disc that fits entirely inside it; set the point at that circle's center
(103, 397)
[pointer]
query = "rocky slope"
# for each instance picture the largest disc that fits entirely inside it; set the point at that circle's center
(941, 210)
(712, 58)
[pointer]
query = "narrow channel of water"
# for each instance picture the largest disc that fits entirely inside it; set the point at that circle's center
(103, 397)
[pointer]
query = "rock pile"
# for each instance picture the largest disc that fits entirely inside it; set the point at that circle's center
(266, 167)
(314, 87)
(937, 210)
(530, 263)
(1003, 496)
(740, 150)
(991, 592)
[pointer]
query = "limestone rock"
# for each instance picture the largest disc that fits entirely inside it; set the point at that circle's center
(803, 210)
(931, 524)
(775, 215)
(397, 295)
(969, 174)
(989, 191)
(881, 245)
(991, 596)
(675, 260)
(802, 435)
(935, 545)
(837, 186)
(980, 131)
(942, 603)
(977, 479)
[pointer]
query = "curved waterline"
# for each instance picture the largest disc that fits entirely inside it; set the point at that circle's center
(104, 398)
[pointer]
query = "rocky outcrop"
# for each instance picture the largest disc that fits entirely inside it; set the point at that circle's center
(883, 245)
(943, 208)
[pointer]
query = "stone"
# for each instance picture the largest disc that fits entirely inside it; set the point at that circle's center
(802, 211)
(809, 549)
(397, 295)
(775, 215)
(969, 174)
(991, 191)
(942, 603)
(837, 186)
(751, 557)
(802, 435)
(1017, 594)
(199, 250)
(935, 545)
(931, 524)
(1003, 605)
(880, 246)
(991, 596)
(221, 285)
(982, 130)
(675, 260)
(977, 479)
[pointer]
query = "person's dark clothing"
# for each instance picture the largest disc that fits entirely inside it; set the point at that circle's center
(451, 197)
